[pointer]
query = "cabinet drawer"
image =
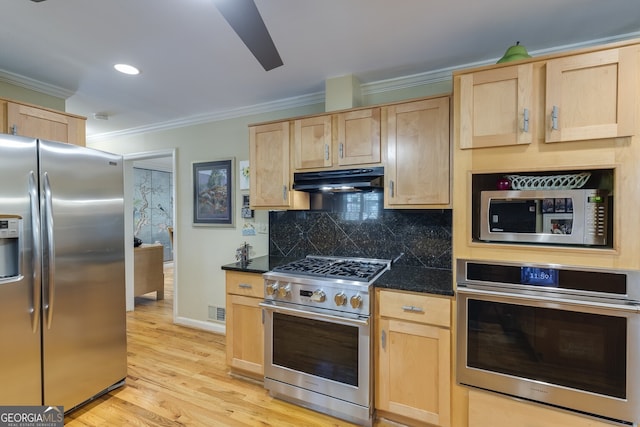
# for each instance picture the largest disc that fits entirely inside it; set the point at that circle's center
(415, 307)
(248, 284)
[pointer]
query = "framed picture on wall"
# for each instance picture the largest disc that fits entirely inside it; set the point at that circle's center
(213, 193)
(246, 212)
(244, 174)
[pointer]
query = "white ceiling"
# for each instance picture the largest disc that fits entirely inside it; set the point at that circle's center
(195, 68)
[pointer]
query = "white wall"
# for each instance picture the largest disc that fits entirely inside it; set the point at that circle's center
(203, 250)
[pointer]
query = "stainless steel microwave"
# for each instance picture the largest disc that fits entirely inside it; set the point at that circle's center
(561, 217)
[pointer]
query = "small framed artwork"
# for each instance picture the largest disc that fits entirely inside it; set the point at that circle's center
(213, 193)
(246, 212)
(244, 174)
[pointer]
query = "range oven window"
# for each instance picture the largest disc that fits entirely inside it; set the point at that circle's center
(324, 349)
(578, 350)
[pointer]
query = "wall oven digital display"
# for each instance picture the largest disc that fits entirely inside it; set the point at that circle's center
(538, 276)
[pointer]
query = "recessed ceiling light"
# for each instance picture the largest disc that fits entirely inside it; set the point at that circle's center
(127, 69)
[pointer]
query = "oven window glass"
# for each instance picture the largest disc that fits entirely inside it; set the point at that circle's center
(319, 348)
(578, 350)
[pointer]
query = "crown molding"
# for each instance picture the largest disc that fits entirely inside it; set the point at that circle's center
(280, 104)
(36, 85)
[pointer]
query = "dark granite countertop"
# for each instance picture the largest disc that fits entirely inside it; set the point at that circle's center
(260, 264)
(404, 278)
(417, 279)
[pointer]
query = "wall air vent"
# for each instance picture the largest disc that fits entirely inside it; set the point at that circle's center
(217, 314)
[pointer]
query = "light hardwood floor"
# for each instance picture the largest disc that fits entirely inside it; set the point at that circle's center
(177, 377)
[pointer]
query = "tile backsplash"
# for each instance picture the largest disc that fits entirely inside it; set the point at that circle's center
(356, 225)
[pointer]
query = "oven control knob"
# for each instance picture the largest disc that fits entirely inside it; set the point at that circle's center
(356, 301)
(272, 288)
(284, 291)
(318, 296)
(340, 299)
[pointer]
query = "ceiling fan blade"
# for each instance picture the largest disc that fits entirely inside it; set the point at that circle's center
(243, 16)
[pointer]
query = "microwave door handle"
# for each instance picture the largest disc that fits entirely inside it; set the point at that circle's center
(314, 315)
(593, 306)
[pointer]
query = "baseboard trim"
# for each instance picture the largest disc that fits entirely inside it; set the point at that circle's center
(217, 328)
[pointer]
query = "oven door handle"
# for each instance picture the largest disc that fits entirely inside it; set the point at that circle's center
(314, 315)
(501, 295)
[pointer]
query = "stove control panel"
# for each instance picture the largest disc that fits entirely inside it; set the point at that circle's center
(352, 299)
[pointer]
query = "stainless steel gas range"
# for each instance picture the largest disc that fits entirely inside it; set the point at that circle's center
(318, 334)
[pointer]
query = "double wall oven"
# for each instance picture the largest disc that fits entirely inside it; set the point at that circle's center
(318, 334)
(564, 336)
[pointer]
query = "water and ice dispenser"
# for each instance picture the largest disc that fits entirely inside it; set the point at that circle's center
(9, 247)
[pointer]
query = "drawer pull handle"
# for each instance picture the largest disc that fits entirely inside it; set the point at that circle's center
(412, 309)
(245, 286)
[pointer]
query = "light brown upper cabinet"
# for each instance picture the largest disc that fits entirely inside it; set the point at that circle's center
(585, 96)
(496, 107)
(312, 142)
(592, 96)
(349, 138)
(270, 171)
(36, 122)
(359, 137)
(417, 166)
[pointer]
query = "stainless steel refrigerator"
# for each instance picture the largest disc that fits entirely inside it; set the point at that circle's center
(62, 292)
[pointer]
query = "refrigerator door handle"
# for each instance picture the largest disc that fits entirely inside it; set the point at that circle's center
(37, 251)
(51, 255)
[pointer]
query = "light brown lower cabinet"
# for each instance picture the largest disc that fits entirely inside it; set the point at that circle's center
(486, 409)
(413, 350)
(245, 330)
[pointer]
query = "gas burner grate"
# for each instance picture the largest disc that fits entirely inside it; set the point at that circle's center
(337, 268)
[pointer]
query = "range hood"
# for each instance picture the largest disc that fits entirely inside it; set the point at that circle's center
(365, 179)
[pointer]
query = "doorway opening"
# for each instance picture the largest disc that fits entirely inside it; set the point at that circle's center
(141, 204)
